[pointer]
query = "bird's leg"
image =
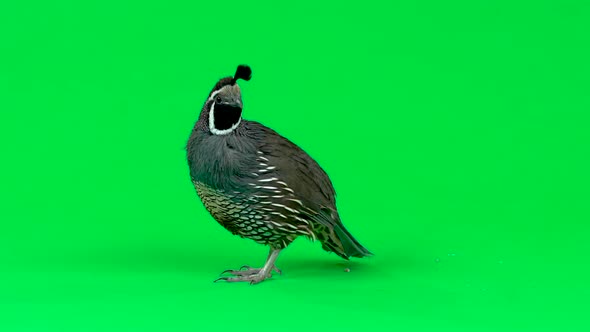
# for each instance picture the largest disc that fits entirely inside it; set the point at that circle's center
(253, 275)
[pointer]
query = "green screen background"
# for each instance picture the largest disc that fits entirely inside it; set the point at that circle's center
(456, 135)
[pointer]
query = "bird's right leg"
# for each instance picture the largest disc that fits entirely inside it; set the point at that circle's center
(255, 275)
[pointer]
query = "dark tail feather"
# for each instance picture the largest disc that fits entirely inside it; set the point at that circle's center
(351, 246)
(336, 238)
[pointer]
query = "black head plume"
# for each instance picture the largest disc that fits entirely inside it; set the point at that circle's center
(243, 72)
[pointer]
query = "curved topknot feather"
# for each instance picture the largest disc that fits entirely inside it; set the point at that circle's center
(243, 72)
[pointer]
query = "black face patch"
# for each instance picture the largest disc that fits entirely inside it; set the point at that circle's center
(225, 116)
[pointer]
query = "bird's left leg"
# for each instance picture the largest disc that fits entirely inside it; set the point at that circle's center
(253, 275)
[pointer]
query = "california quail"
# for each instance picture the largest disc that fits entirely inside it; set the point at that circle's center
(258, 184)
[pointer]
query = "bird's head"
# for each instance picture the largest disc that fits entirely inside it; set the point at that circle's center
(222, 112)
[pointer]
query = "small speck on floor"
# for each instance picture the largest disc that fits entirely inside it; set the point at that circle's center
(346, 270)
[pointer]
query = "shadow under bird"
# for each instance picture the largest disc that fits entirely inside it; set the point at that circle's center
(259, 185)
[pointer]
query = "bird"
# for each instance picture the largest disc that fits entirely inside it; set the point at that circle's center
(259, 185)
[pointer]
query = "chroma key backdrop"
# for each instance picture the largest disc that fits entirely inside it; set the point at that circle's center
(456, 134)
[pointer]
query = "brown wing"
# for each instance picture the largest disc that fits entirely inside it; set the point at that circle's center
(295, 167)
(288, 174)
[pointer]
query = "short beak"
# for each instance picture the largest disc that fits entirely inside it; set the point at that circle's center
(236, 103)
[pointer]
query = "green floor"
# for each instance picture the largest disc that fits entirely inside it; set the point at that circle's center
(456, 135)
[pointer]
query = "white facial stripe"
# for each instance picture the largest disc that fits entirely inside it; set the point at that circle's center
(215, 94)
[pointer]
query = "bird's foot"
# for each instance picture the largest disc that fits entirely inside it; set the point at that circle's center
(247, 273)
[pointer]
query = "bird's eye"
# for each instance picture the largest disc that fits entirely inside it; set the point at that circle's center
(218, 99)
